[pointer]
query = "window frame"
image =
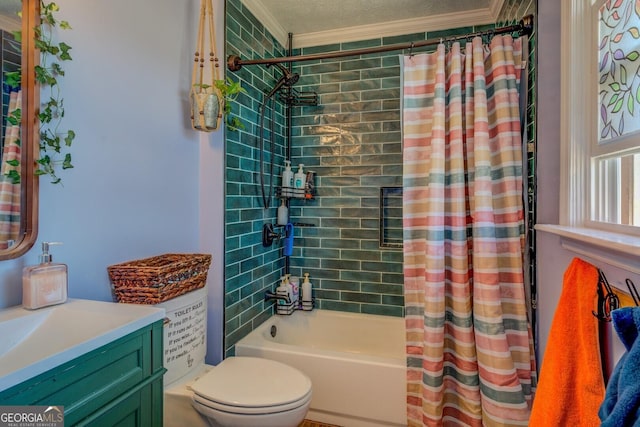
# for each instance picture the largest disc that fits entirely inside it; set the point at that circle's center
(580, 146)
(612, 244)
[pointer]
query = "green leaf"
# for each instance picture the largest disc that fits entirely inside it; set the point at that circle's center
(14, 176)
(66, 164)
(633, 55)
(618, 105)
(65, 25)
(630, 105)
(13, 78)
(613, 99)
(638, 94)
(64, 51)
(615, 86)
(13, 162)
(68, 140)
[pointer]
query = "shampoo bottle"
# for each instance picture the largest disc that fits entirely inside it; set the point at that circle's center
(283, 213)
(307, 290)
(299, 181)
(295, 286)
(282, 290)
(44, 284)
(287, 179)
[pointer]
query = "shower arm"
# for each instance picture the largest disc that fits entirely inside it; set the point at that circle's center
(524, 27)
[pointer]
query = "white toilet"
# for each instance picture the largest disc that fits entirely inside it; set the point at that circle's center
(238, 392)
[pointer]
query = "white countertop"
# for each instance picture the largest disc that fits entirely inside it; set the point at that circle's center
(34, 341)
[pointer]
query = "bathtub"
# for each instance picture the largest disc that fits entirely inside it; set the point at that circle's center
(356, 363)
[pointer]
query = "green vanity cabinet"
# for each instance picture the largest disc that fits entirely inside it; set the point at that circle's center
(119, 383)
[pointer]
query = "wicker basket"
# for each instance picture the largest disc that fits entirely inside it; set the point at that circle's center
(160, 278)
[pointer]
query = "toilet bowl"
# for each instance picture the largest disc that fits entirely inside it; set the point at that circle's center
(238, 392)
(250, 391)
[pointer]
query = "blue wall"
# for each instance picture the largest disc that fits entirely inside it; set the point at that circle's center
(138, 187)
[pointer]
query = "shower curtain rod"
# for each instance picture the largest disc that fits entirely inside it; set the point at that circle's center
(525, 26)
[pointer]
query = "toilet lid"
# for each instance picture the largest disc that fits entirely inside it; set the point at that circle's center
(252, 382)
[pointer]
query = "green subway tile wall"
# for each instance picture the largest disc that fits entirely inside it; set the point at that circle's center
(352, 140)
(250, 269)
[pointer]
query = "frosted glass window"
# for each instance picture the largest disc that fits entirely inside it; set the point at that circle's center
(619, 67)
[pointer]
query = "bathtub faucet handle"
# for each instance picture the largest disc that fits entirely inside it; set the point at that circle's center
(268, 296)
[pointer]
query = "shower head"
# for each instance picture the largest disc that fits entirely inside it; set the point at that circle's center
(288, 79)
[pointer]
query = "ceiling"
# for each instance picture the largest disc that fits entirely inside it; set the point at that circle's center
(320, 22)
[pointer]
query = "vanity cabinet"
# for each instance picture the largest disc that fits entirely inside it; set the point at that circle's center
(119, 383)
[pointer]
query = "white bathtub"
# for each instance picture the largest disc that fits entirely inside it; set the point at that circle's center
(356, 363)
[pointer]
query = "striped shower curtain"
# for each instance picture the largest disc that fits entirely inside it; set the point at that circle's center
(10, 192)
(470, 357)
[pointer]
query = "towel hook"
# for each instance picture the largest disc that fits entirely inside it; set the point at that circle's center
(606, 302)
(411, 50)
(633, 291)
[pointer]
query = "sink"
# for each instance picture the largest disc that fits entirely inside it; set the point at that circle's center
(34, 341)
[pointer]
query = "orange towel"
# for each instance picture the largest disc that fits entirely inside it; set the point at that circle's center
(571, 386)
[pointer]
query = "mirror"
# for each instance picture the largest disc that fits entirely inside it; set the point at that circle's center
(19, 201)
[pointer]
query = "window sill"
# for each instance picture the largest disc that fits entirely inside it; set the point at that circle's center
(619, 250)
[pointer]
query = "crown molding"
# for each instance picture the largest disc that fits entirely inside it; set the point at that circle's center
(394, 28)
(495, 6)
(262, 14)
(371, 31)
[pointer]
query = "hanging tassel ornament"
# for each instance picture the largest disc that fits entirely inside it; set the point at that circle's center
(207, 102)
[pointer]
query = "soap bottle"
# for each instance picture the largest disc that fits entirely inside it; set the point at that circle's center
(283, 213)
(287, 179)
(307, 297)
(298, 182)
(282, 290)
(295, 284)
(46, 283)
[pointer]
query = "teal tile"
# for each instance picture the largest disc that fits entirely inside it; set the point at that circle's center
(340, 306)
(360, 255)
(326, 294)
(384, 310)
(382, 288)
(363, 276)
(340, 77)
(385, 267)
(340, 285)
(340, 264)
(341, 243)
(351, 233)
(360, 64)
(360, 85)
(360, 297)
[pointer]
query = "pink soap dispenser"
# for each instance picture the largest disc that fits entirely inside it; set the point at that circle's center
(46, 283)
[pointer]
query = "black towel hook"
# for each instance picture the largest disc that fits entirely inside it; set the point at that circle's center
(633, 291)
(607, 302)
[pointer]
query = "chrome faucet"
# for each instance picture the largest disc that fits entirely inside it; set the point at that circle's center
(268, 296)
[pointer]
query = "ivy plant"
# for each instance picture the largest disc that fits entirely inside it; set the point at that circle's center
(54, 142)
(230, 91)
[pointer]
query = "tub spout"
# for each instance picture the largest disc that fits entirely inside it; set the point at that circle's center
(272, 296)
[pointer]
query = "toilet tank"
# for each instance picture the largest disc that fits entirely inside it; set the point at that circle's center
(185, 334)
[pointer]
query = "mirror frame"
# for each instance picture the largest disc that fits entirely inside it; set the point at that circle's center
(29, 133)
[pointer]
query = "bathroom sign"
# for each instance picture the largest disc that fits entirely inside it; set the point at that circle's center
(184, 337)
(31, 416)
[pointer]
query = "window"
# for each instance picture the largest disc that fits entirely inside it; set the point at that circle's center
(615, 151)
(601, 115)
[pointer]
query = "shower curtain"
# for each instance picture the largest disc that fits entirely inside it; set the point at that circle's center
(10, 193)
(470, 357)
